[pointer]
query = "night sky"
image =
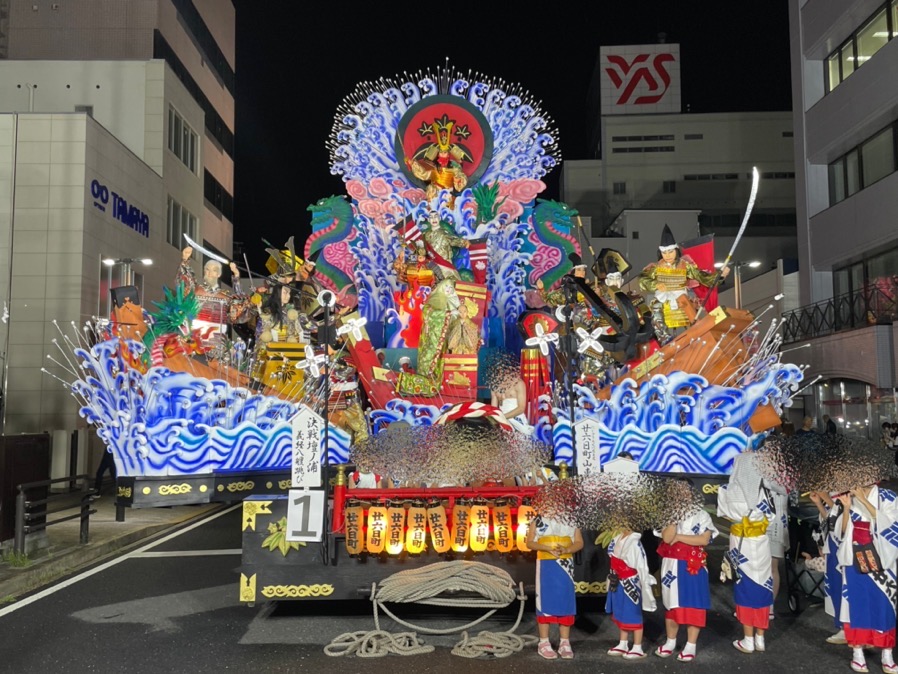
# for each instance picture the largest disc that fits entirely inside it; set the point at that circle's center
(297, 61)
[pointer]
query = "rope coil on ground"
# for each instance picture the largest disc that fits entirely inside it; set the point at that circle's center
(376, 644)
(428, 586)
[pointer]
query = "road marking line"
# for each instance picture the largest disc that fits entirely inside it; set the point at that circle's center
(87, 574)
(189, 553)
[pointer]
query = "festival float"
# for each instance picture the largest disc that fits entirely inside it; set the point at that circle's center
(425, 364)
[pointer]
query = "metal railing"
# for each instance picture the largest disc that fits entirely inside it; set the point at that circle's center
(874, 305)
(32, 513)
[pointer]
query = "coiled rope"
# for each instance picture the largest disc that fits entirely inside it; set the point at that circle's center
(433, 585)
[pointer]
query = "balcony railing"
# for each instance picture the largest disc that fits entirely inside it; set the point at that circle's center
(873, 305)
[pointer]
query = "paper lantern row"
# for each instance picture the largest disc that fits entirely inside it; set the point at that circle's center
(395, 529)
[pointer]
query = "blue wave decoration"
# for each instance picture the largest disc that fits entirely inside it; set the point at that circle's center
(399, 409)
(677, 422)
(361, 141)
(172, 423)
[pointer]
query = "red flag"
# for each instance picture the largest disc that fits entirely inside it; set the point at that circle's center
(408, 230)
(701, 250)
(479, 259)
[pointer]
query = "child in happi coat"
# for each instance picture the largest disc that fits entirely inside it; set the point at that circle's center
(867, 556)
(684, 580)
(829, 514)
(629, 592)
(745, 502)
(556, 601)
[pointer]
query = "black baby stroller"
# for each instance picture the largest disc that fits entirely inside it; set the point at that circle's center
(804, 584)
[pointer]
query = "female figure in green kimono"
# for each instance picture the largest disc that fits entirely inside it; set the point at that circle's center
(437, 313)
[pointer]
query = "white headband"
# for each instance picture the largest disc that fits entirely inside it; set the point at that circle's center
(667, 249)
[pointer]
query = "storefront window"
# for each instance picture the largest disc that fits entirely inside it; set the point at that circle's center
(872, 37)
(857, 408)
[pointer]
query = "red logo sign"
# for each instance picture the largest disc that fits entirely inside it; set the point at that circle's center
(627, 76)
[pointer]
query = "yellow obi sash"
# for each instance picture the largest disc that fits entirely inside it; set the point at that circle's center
(564, 541)
(748, 529)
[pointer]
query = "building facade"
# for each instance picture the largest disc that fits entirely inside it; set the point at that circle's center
(845, 101)
(116, 139)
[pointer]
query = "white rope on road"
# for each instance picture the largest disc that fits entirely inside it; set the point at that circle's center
(433, 585)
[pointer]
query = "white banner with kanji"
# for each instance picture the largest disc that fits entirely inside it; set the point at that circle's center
(308, 434)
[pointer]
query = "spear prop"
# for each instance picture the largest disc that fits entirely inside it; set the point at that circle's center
(587, 241)
(755, 177)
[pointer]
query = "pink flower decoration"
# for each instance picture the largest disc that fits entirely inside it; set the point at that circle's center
(380, 188)
(415, 196)
(525, 191)
(370, 208)
(356, 190)
(511, 208)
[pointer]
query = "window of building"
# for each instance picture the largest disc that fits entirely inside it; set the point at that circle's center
(836, 182)
(670, 186)
(180, 221)
(182, 140)
(832, 72)
(878, 156)
(868, 39)
(871, 161)
(788, 134)
(882, 266)
(872, 36)
(620, 188)
(840, 282)
(852, 173)
(625, 139)
(847, 59)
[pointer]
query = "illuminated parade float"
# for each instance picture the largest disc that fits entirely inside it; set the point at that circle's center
(395, 393)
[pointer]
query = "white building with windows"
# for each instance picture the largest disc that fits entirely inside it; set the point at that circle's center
(116, 138)
(656, 159)
(845, 100)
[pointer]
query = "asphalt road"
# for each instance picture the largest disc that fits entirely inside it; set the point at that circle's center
(171, 605)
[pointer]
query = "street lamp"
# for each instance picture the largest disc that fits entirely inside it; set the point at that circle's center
(125, 263)
(737, 278)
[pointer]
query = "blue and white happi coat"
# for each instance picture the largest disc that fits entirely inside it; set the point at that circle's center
(555, 591)
(832, 538)
(679, 588)
(868, 599)
(743, 497)
(634, 594)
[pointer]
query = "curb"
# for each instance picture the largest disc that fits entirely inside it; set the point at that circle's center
(70, 560)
